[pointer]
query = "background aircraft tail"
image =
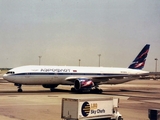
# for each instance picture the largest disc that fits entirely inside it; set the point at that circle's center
(140, 60)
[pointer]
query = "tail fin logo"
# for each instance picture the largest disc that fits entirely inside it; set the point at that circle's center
(140, 60)
(139, 65)
(145, 53)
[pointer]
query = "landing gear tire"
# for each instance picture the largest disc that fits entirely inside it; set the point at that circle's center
(20, 90)
(73, 90)
(52, 89)
(77, 91)
(19, 87)
(99, 91)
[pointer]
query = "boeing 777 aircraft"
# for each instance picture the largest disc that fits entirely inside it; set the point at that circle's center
(83, 79)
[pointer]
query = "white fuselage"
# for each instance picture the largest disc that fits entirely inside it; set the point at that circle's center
(38, 75)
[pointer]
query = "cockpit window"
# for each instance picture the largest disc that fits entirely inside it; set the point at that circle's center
(10, 72)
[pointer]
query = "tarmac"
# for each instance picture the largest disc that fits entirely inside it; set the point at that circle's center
(38, 103)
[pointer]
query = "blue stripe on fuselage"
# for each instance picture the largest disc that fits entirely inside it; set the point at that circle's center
(107, 74)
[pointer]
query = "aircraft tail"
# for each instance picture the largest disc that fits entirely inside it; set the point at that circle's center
(139, 61)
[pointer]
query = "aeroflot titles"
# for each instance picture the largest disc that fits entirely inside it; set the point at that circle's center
(55, 70)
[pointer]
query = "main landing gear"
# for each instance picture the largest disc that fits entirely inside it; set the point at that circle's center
(19, 87)
(96, 89)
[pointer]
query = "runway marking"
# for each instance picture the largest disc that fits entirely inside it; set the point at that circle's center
(52, 96)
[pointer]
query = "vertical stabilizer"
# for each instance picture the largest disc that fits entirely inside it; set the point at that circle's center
(140, 60)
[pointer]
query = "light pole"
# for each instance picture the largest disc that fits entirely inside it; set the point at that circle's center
(99, 59)
(156, 59)
(40, 59)
(79, 62)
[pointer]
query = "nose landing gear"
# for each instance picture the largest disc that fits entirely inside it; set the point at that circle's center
(19, 87)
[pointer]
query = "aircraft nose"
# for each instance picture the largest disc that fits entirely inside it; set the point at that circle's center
(5, 76)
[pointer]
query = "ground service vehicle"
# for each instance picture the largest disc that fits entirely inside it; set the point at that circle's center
(90, 108)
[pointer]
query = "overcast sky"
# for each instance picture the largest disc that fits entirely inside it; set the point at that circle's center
(64, 31)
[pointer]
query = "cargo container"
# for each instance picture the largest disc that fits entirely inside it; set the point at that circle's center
(90, 108)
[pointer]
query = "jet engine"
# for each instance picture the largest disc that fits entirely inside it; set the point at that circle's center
(83, 84)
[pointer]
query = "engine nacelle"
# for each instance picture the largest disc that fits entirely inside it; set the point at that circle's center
(49, 85)
(83, 83)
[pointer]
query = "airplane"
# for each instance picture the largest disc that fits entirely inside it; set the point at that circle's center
(83, 79)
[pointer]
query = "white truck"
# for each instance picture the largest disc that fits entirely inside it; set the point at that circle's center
(90, 108)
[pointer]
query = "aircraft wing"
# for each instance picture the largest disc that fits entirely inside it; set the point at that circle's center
(104, 78)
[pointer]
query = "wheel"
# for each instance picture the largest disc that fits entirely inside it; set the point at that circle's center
(76, 91)
(20, 90)
(73, 90)
(99, 91)
(52, 89)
